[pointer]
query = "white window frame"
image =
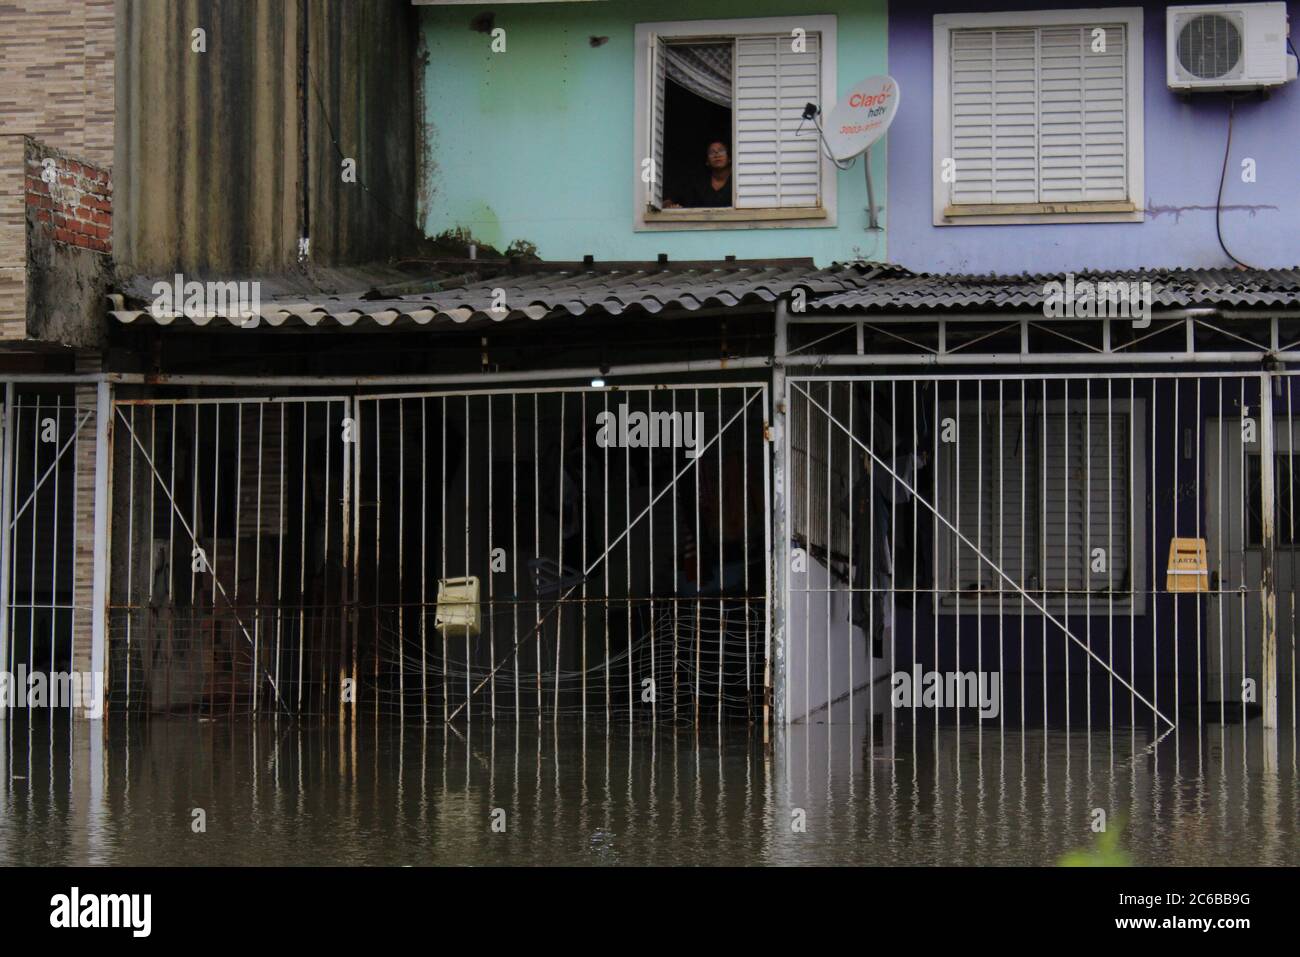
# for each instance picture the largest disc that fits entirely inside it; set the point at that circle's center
(1017, 214)
(693, 219)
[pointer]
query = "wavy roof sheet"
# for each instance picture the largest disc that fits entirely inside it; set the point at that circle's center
(1172, 288)
(546, 292)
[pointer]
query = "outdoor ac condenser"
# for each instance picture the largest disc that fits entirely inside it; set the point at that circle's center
(1227, 46)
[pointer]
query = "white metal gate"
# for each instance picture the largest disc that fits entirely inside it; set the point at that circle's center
(1018, 529)
(287, 553)
(45, 600)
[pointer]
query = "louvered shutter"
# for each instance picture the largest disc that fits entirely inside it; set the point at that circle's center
(1082, 123)
(1091, 510)
(992, 497)
(655, 134)
(776, 165)
(1037, 116)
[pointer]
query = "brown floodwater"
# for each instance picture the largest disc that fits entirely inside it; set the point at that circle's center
(390, 794)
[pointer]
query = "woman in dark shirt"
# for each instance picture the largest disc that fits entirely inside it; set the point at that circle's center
(708, 189)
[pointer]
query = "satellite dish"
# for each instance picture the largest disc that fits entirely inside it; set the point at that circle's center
(861, 117)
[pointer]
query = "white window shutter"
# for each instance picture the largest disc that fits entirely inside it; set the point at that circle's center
(655, 116)
(992, 499)
(971, 72)
(774, 164)
(1037, 115)
(1094, 511)
(1082, 119)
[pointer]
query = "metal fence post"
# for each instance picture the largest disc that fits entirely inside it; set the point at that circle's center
(1268, 516)
(6, 536)
(99, 591)
(781, 553)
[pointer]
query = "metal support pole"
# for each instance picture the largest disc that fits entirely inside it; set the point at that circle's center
(781, 520)
(1267, 588)
(873, 222)
(6, 536)
(99, 591)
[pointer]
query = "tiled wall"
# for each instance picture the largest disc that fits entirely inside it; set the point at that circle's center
(56, 77)
(56, 85)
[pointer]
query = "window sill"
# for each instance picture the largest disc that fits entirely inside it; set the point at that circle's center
(732, 218)
(1023, 213)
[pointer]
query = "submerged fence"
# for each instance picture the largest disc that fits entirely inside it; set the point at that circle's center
(1107, 549)
(444, 556)
(1115, 549)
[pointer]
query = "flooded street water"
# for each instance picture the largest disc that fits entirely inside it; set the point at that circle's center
(389, 794)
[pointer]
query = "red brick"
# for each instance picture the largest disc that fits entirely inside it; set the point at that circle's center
(63, 236)
(42, 215)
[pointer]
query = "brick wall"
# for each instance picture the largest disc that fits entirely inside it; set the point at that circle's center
(73, 197)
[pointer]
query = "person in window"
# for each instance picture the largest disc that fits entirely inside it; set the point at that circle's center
(711, 187)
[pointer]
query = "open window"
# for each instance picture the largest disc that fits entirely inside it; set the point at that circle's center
(720, 136)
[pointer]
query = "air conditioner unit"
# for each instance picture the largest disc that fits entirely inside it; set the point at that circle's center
(1227, 46)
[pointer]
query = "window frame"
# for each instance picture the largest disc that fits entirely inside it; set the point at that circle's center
(1128, 211)
(729, 218)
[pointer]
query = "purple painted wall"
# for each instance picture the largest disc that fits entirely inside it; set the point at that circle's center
(1184, 143)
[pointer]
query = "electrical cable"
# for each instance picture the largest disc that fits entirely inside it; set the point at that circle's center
(1223, 178)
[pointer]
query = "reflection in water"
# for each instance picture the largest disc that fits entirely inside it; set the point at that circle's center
(291, 793)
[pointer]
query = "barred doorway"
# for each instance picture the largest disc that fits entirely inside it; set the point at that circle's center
(1092, 547)
(444, 556)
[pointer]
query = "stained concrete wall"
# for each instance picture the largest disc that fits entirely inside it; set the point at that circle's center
(209, 166)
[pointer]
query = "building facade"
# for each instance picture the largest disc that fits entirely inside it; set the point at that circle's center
(450, 363)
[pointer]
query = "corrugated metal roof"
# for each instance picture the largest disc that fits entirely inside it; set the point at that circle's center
(537, 292)
(898, 290)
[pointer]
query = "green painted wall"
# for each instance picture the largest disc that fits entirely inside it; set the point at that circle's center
(536, 143)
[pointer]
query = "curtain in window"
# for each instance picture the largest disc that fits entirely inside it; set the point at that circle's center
(704, 69)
